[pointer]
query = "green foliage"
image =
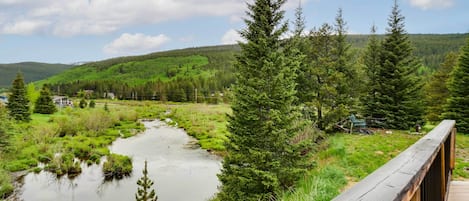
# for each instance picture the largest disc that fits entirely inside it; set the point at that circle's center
(371, 61)
(458, 101)
(32, 93)
(436, 89)
(44, 104)
(92, 104)
(18, 102)
(461, 170)
(117, 166)
(399, 97)
(83, 103)
(261, 159)
(6, 188)
(145, 184)
(328, 81)
(5, 128)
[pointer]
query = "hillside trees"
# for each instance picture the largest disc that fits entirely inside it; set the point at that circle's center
(44, 104)
(261, 159)
(18, 102)
(399, 97)
(436, 89)
(457, 106)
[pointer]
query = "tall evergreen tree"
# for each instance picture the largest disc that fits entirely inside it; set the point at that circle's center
(261, 158)
(143, 191)
(436, 90)
(345, 68)
(371, 60)
(44, 104)
(399, 96)
(300, 43)
(457, 106)
(18, 102)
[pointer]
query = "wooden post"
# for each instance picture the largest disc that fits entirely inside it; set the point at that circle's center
(442, 172)
(453, 149)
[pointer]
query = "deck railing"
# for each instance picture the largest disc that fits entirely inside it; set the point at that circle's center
(421, 172)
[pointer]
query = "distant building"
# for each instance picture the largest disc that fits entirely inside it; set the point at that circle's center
(109, 95)
(62, 101)
(3, 100)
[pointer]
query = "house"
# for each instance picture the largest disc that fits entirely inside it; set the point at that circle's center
(62, 101)
(109, 95)
(3, 100)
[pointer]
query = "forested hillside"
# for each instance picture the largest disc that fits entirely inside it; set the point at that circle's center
(203, 74)
(430, 48)
(32, 71)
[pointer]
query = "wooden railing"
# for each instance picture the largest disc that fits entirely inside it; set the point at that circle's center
(421, 172)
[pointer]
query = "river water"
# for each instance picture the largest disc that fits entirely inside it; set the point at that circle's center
(180, 173)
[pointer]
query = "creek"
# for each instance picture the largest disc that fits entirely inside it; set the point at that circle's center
(179, 170)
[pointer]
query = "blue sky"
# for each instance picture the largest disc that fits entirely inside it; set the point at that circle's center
(68, 31)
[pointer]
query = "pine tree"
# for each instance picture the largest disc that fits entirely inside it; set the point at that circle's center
(345, 73)
(436, 90)
(458, 101)
(145, 184)
(371, 60)
(399, 95)
(44, 104)
(300, 43)
(18, 102)
(261, 159)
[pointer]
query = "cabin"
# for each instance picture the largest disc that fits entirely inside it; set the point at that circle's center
(62, 101)
(3, 100)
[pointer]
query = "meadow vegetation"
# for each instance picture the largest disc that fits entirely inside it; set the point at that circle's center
(64, 140)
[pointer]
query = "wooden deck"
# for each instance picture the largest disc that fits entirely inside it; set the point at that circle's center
(459, 191)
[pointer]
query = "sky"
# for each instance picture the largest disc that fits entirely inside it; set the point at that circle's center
(69, 31)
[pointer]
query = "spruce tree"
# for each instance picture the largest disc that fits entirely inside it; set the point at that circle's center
(143, 191)
(371, 60)
(399, 95)
(44, 104)
(261, 159)
(346, 83)
(18, 102)
(458, 101)
(436, 90)
(300, 43)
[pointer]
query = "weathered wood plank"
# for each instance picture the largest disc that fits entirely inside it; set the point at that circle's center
(459, 191)
(400, 178)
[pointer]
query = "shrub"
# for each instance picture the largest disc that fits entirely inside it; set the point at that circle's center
(117, 166)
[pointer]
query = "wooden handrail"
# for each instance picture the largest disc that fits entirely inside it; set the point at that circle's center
(421, 172)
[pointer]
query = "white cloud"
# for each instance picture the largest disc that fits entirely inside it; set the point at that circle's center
(135, 44)
(25, 27)
(81, 17)
(429, 4)
(231, 37)
(78, 17)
